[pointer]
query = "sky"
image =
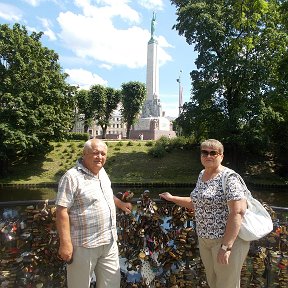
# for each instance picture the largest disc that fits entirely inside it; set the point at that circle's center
(105, 41)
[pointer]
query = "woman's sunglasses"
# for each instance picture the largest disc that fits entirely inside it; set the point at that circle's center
(213, 153)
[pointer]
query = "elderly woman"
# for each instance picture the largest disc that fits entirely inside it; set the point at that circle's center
(218, 216)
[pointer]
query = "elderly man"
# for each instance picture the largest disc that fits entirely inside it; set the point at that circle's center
(86, 220)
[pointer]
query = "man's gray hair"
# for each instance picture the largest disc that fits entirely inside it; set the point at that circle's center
(89, 144)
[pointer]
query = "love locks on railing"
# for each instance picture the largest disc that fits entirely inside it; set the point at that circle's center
(157, 246)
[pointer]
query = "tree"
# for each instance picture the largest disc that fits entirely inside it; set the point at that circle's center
(84, 107)
(36, 104)
(240, 46)
(133, 97)
(104, 101)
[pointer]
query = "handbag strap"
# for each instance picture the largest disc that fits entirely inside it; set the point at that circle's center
(226, 173)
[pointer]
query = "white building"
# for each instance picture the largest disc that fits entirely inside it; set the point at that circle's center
(116, 129)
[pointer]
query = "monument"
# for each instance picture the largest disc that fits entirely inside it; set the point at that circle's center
(152, 124)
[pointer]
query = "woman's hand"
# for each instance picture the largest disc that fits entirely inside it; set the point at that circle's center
(179, 200)
(166, 196)
(223, 257)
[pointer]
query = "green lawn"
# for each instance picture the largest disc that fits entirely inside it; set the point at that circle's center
(126, 163)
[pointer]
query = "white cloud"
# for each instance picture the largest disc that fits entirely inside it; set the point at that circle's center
(10, 12)
(152, 4)
(83, 78)
(106, 66)
(94, 34)
(31, 29)
(46, 23)
(72, 61)
(33, 3)
(109, 9)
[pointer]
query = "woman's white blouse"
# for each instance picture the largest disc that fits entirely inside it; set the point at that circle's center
(210, 202)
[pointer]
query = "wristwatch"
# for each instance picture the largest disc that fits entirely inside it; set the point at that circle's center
(225, 248)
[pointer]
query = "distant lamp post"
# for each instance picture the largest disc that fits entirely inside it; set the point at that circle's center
(180, 93)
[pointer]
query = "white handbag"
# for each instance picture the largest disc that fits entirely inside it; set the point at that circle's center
(256, 222)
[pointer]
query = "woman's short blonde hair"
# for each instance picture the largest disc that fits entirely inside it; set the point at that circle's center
(212, 143)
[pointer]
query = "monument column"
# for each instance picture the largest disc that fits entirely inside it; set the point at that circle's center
(151, 124)
(152, 107)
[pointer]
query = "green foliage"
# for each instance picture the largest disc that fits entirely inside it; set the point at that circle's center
(130, 143)
(104, 100)
(76, 136)
(36, 104)
(134, 164)
(133, 97)
(163, 140)
(149, 143)
(165, 144)
(182, 142)
(238, 89)
(97, 103)
(158, 151)
(84, 107)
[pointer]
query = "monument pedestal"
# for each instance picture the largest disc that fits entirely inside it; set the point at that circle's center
(152, 128)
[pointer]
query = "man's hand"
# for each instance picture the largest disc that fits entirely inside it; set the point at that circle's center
(66, 251)
(124, 206)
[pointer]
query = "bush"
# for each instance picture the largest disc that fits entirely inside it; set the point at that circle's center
(158, 151)
(180, 142)
(163, 140)
(77, 136)
(149, 143)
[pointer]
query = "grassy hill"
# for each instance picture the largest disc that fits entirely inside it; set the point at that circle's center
(128, 161)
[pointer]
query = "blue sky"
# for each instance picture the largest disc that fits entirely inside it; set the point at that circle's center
(105, 41)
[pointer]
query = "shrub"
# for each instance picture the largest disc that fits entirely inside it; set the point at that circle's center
(77, 136)
(149, 143)
(163, 140)
(158, 151)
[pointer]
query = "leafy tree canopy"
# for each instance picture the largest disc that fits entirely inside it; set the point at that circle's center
(104, 101)
(242, 47)
(36, 104)
(84, 107)
(133, 97)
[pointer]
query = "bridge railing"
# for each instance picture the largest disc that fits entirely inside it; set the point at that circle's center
(157, 245)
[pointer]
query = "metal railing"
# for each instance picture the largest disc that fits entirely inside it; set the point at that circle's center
(157, 236)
